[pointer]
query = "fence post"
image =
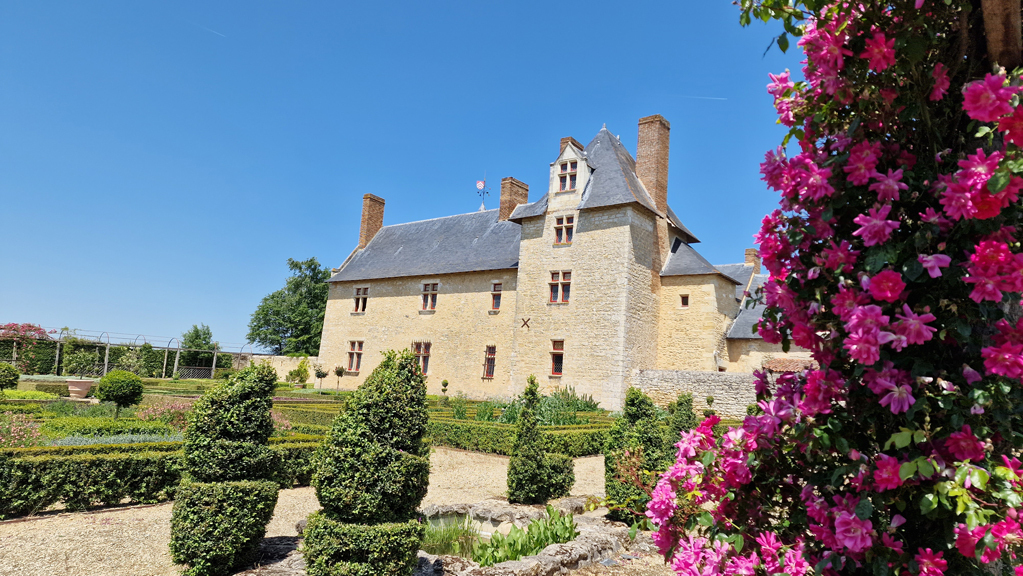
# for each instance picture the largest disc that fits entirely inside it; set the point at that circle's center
(177, 355)
(213, 370)
(56, 361)
(106, 360)
(164, 373)
(15, 352)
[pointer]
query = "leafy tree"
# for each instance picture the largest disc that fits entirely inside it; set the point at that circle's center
(8, 377)
(290, 320)
(121, 387)
(198, 337)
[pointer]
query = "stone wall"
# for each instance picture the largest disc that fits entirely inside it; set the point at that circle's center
(732, 392)
(688, 337)
(283, 364)
(747, 355)
(458, 329)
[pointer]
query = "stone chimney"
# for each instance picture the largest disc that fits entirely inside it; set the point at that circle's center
(372, 218)
(513, 193)
(565, 142)
(652, 158)
(753, 259)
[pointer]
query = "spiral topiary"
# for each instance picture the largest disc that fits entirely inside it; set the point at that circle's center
(373, 473)
(535, 476)
(227, 495)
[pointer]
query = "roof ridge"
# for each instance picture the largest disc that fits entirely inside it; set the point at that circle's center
(441, 218)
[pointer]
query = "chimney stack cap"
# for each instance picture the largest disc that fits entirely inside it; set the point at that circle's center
(569, 140)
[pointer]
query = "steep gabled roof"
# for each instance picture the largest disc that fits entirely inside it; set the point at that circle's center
(742, 327)
(538, 208)
(464, 243)
(687, 236)
(686, 261)
(741, 273)
(614, 179)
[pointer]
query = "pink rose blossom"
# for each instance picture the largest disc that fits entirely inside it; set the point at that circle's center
(914, 326)
(930, 563)
(874, 228)
(880, 52)
(886, 475)
(964, 445)
(941, 82)
(852, 532)
(934, 262)
(862, 162)
(1004, 360)
(1012, 126)
(888, 186)
(887, 286)
(899, 398)
(988, 99)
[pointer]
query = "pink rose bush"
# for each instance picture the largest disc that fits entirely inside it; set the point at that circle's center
(895, 259)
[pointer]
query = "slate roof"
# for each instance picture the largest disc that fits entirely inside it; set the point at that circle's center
(742, 327)
(741, 273)
(463, 243)
(614, 179)
(686, 261)
(673, 218)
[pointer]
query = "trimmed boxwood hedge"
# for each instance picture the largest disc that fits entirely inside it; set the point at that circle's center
(82, 476)
(306, 416)
(82, 426)
(360, 549)
(490, 437)
(58, 389)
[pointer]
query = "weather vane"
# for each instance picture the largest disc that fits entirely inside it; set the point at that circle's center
(482, 190)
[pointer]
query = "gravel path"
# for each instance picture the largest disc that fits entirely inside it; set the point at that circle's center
(132, 541)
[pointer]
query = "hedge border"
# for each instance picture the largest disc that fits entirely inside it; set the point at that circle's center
(496, 439)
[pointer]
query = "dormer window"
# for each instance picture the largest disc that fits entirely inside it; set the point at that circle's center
(569, 174)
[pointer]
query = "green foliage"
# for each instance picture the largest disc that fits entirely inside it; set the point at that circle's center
(217, 526)
(485, 412)
(121, 387)
(639, 445)
(458, 409)
(232, 475)
(534, 475)
(81, 362)
(86, 426)
(290, 320)
(300, 374)
(8, 377)
(64, 407)
(117, 439)
(444, 386)
(198, 337)
(451, 538)
(58, 389)
(133, 360)
(497, 438)
(28, 395)
(555, 529)
(334, 548)
(372, 473)
(30, 484)
(26, 408)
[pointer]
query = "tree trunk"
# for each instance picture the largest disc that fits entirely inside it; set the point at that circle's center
(1002, 29)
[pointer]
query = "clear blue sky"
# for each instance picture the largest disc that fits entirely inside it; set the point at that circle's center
(160, 162)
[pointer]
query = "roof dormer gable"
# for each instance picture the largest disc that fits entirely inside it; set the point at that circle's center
(571, 171)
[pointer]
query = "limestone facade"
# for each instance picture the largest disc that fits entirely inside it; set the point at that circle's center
(600, 288)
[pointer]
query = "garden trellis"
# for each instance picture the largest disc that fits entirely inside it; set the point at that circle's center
(45, 353)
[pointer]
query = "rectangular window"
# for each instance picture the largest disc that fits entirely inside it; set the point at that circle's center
(489, 359)
(685, 300)
(561, 286)
(564, 183)
(422, 352)
(563, 229)
(557, 357)
(495, 296)
(567, 179)
(429, 296)
(361, 295)
(354, 355)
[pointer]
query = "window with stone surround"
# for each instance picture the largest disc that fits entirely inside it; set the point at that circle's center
(568, 176)
(561, 286)
(422, 352)
(430, 296)
(354, 355)
(489, 359)
(361, 295)
(684, 300)
(495, 296)
(564, 227)
(557, 357)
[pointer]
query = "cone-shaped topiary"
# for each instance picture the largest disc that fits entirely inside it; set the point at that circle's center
(227, 496)
(373, 473)
(642, 441)
(535, 476)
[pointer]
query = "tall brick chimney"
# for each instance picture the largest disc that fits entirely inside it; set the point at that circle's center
(372, 218)
(652, 158)
(753, 259)
(513, 193)
(566, 140)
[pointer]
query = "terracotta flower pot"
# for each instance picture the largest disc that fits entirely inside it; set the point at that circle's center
(79, 388)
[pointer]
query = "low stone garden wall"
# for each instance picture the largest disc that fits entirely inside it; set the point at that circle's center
(732, 391)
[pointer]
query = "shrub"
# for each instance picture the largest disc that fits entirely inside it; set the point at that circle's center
(230, 489)
(485, 412)
(121, 387)
(218, 525)
(541, 533)
(58, 389)
(535, 476)
(80, 363)
(9, 377)
(639, 445)
(458, 408)
(116, 439)
(497, 438)
(25, 408)
(372, 474)
(300, 374)
(172, 413)
(85, 426)
(28, 395)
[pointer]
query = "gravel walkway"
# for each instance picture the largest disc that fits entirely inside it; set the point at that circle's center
(132, 541)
